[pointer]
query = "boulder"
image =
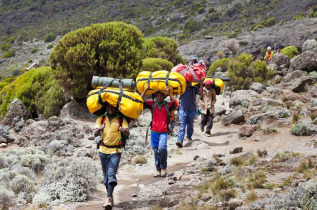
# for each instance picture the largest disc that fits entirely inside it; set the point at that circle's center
(307, 61)
(273, 66)
(236, 150)
(261, 118)
(281, 60)
(304, 128)
(310, 45)
(17, 111)
(257, 87)
(74, 110)
(3, 145)
(247, 130)
(314, 102)
(292, 76)
(280, 112)
(303, 84)
(240, 96)
(234, 117)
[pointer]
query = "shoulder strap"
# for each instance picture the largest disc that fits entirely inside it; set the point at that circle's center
(103, 119)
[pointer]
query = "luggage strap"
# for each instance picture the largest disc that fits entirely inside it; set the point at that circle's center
(191, 70)
(104, 87)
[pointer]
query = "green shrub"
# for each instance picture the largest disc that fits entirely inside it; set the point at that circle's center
(220, 55)
(109, 49)
(5, 47)
(191, 26)
(313, 12)
(154, 64)
(30, 61)
(9, 54)
(11, 39)
(7, 198)
(243, 72)
(50, 46)
(33, 50)
(160, 47)
(300, 15)
(211, 10)
(223, 64)
(50, 37)
(272, 21)
(201, 10)
(6, 82)
(181, 37)
(290, 51)
(37, 89)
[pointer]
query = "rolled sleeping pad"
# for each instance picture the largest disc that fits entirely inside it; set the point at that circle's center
(158, 81)
(104, 81)
(225, 79)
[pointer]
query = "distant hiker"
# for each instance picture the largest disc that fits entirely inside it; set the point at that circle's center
(111, 128)
(278, 51)
(161, 110)
(194, 59)
(187, 112)
(269, 54)
(207, 105)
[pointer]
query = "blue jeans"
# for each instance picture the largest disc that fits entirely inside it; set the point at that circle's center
(158, 143)
(110, 165)
(186, 118)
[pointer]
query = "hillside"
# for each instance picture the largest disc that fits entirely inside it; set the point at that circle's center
(186, 20)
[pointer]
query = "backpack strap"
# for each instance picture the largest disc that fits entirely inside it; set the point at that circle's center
(168, 115)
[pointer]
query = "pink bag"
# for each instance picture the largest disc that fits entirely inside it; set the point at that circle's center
(191, 73)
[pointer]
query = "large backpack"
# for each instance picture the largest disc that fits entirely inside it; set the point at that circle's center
(123, 138)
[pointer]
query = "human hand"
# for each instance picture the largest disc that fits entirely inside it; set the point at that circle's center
(147, 87)
(168, 90)
(101, 127)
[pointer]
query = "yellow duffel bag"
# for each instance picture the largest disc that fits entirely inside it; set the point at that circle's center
(129, 103)
(158, 81)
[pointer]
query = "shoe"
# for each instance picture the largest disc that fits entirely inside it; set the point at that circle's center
(179, 144)
(202, 129)
(157, 173)
(163, 173)
(189, 139)
(207, 134)
(108, 203)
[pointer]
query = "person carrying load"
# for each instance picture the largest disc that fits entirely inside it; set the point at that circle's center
(161, 110)
(207, 103)
(187, 111)
(113, 130)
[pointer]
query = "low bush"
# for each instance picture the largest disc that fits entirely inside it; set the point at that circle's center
(37, 89)
(139, 159)
(7, 198)
(5, 47)
(256, 180)
(223, 64)
(252, 196)
(50, 46)
(9, 54)
(21, 183)
(290, 51)
(201, 10)
(181, 37)
(243, 72)
(50, 37)
(33, 50)
(313, 12)
(300, 15)
(68, 180)
(154, 64)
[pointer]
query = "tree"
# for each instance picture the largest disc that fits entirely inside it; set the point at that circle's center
(108, 49)
(160, 47)
(155, 64)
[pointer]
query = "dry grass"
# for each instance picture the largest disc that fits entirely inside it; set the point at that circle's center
(252, 196)
(285, 155)
(237, 161)
(256, 180)
(194, 206)
(261, 153)
(226, 194)
(157, 207)
(139, 159)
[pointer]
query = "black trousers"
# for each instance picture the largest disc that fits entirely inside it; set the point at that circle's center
(207, 119)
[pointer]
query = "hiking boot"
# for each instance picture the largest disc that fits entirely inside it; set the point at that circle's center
(179, 144)
(207, 134)
(189, 139)
(202, 129)
(157, 173)
(108, 203)
(163, 173)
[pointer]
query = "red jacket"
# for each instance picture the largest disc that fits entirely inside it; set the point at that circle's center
(159, 118)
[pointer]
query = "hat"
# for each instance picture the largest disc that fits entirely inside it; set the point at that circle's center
(269, 48)
(194, 57)
(208, 82)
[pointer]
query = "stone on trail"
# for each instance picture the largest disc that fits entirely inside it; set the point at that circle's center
(303, 84)
(247, 130)
(17, 111)
(236, 150)
(234, 117)
(306, 61)
(257, 87)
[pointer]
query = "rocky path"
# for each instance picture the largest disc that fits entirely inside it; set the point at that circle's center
(137, 189)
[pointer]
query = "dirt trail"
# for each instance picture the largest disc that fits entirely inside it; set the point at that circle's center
(222, 140)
